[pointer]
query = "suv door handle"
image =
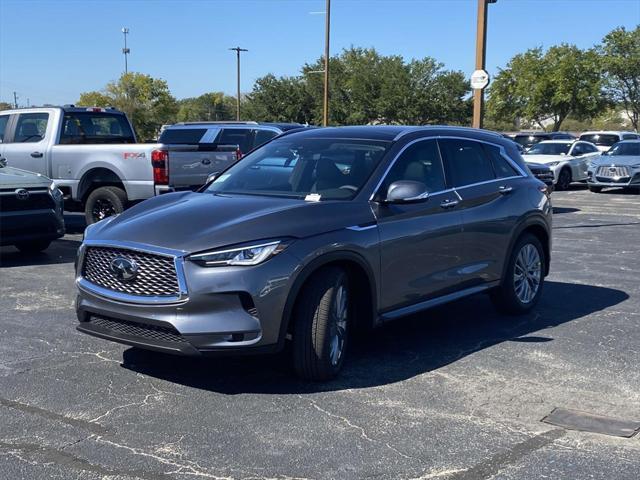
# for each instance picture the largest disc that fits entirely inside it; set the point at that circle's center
(206, 161)
(36, 154)
(505, 190)
(449, 203)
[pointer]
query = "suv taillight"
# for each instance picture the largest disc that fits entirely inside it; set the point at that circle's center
(160, 164)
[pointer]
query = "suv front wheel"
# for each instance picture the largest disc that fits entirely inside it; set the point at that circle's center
(522, 286)
(322, 315)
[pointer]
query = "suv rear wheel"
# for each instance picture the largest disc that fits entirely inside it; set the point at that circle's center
(104, 202)
(524, 278)
(322, 315)
(564, 179)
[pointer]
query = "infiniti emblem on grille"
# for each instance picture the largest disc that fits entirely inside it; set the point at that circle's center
(124, 269)
(22, 194)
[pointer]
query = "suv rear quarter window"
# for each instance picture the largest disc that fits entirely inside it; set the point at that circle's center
(242, 137)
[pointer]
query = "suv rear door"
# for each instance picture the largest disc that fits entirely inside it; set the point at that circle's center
(486, 183)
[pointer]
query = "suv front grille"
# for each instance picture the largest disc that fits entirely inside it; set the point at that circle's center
(614, 171)
(140, 330)
(156, 273)
(38, 200)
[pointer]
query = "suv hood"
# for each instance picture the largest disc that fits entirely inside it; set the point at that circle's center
(193, 222)
(627, 160)
(544, 159)
(15, 178)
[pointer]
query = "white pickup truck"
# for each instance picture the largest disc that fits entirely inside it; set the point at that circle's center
(90, 153)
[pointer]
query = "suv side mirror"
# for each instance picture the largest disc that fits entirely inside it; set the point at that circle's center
(211, 177)
(406, 191)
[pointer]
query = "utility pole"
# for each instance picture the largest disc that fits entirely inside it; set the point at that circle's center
(238, 50)
(125, 50)
(15, 99)
(480, 73)
(327, 27)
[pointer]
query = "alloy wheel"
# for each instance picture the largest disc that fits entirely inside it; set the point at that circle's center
(338, 327)
(527, 273)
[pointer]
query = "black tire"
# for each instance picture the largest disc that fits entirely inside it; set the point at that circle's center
(315, 327)
(595, 189)
(104, 202)
(505, 298)
(33, 246)
(564, 179)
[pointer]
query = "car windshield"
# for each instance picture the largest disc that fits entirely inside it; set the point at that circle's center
(625, 149)
(321, 168)
(549, 149)
(602, 140)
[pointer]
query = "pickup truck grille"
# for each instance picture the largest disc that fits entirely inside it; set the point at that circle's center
(156, 274)
(37, 200)
(614, 171)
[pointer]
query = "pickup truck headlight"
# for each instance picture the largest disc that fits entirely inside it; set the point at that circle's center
(240, 256)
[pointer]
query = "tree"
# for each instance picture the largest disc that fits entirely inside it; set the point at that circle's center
(539, 87)
(283, 99)
(146, 101)
(620, 51)
(5, 106)
(212, 106)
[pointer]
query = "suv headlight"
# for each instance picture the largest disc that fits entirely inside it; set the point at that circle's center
(240, 256)
(553, 164)
(55, 192)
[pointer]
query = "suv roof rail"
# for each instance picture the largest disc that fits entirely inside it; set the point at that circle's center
(219, 122)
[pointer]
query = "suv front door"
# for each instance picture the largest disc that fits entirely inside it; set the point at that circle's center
(486, 182)
(419, 249)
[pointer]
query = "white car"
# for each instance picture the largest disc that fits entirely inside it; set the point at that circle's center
(568, 160)
(603, 140)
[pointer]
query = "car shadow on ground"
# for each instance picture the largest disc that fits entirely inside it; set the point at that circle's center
(559, 210)
(62, 250)
(74, 222)
(398, 351)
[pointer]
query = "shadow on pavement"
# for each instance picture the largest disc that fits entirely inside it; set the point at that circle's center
(61, 250)
(558, 210)
(74, 223)
(395, 352)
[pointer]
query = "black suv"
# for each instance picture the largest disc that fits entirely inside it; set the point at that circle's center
(313, 233)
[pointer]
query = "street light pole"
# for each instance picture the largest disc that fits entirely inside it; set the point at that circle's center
(481, 47)
(325, 112)
(238, 50)
(125, 50)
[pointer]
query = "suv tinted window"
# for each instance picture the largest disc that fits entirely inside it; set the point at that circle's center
(420, 162)
(263, 136)
(31, 127)
(95, 128)
(236, 136)
(501, 165)
(604, 140)
(4, 119)
(466, 162)
(182, 136)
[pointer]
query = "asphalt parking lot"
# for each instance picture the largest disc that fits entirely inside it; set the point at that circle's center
(454, 393)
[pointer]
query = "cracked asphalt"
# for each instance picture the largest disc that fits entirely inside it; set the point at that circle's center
(453, 393)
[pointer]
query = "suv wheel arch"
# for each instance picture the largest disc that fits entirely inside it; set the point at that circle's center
(537, 227)
(359, 272)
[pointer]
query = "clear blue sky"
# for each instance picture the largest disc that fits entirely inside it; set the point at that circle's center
(51, 51)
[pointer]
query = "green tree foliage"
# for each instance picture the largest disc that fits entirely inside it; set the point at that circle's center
(365, 87)
(146, 101)
(620, 52)
(5, 106)
(538, 86)
(214, 106)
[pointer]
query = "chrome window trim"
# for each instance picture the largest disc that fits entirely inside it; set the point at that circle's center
(451, 137)
(178, 258)
(358, 228)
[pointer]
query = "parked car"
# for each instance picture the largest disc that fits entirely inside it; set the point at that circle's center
(618, 167)
(531, 138)
(568, 160)
(195, 150)
(90, 153)
(30, 210)
(543, 173)
(605, 139)
(314, 233)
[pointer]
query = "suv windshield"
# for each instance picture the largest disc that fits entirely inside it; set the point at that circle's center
(599, 139)
(331, 168)
(625, 149)
(549, 149)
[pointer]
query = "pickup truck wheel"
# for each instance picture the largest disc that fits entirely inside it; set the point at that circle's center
(104, 202)
(522, 286)
(322, 313)
(33, 246)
